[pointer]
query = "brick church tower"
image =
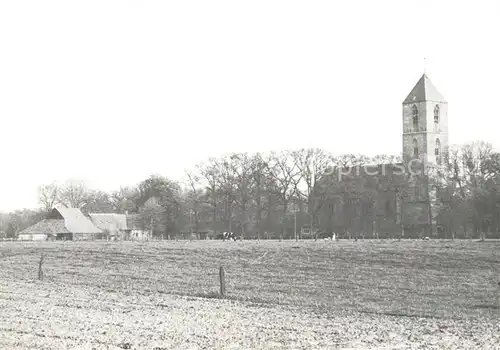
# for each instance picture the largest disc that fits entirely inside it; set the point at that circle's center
(425, 123)
(425, 140)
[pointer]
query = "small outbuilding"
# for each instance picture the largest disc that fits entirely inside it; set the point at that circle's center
(136, 230)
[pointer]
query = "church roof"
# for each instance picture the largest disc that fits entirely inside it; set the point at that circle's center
(424, 90)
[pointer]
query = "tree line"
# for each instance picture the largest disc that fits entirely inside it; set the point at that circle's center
(276, 194)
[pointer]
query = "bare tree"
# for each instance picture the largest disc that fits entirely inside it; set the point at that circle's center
(475, 169)
(286, 175)
(48, 196)
(73, 194)
(209, 171)
(227, 186)
(451, 209)
(243, 180)
(259, 175)
(312, 164)
(194, 198)
(350, 160)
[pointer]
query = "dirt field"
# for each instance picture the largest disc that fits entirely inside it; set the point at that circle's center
(365, 294)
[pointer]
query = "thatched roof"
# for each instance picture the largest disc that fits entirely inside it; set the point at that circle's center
(74, 220)
(47, 226)
(109, 222)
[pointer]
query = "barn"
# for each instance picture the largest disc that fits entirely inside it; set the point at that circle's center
(62, 224)
(44, 230)
(114, 226)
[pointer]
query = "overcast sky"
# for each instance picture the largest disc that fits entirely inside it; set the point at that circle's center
(112, 91)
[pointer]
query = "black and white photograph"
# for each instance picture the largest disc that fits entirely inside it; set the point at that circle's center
(249, 174)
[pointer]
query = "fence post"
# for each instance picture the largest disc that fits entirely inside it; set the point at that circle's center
(40, 271)
(222, 279)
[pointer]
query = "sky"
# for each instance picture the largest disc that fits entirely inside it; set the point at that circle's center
(110, 92)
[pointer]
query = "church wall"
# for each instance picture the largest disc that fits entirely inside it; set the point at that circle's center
(443, 116)
(410, 132)
(363, 201)
(427, 132)
(408, 117)
(436, 131)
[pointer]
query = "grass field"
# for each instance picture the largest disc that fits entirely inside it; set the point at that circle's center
(365, 294)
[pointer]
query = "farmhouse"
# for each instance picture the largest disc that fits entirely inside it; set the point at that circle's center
(62, 224)
(114, 226)
(135, 230)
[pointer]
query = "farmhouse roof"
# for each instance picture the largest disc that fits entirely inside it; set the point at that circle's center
(74, 220)
(424, 90)
(47, 226)
(109, 221)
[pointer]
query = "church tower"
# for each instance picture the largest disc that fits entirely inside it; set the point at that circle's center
(425, 124)
(425, 141)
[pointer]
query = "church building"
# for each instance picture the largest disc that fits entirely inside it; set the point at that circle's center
(391, 200)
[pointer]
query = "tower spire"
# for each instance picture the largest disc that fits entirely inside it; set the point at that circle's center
(425, 65)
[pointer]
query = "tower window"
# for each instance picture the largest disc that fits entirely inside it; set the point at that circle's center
(415, 118)
(436, 114)
(437, 151)
(415, 148)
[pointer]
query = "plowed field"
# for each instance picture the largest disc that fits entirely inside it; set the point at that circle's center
(142, 295)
